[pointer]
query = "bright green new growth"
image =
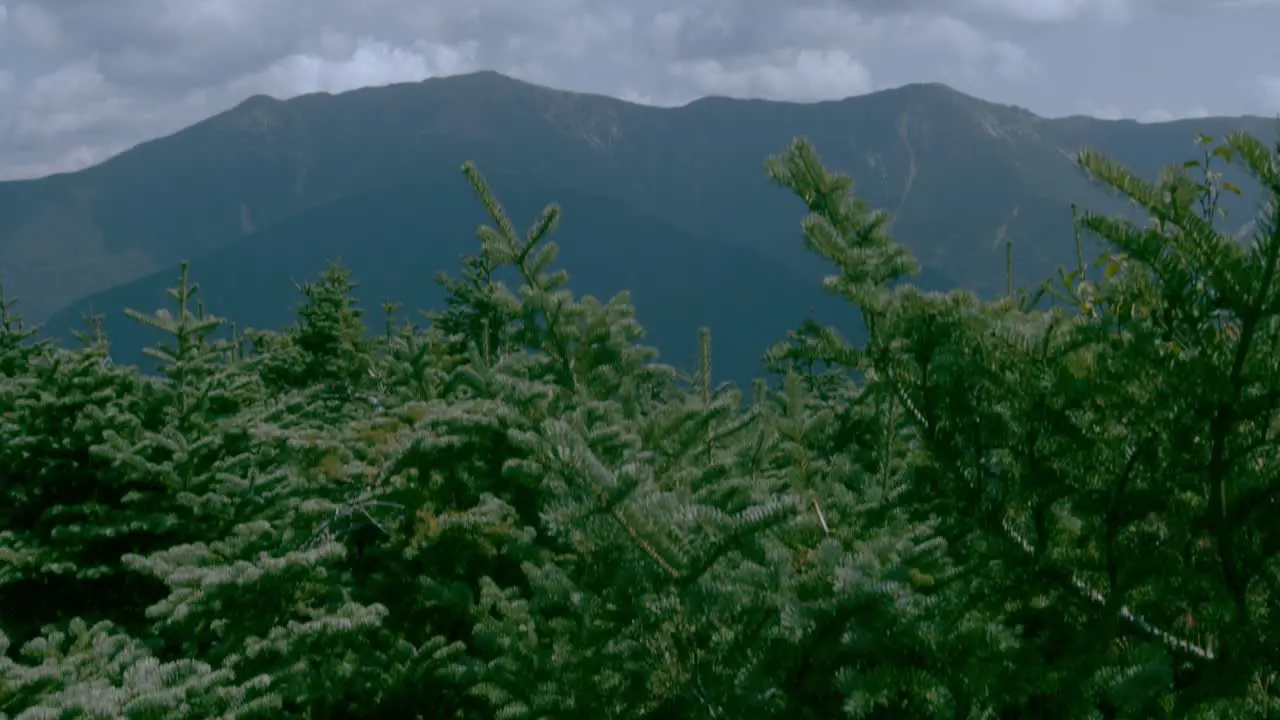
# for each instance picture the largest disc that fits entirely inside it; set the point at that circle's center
(515, 512)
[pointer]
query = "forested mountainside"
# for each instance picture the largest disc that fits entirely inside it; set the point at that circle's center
(959, 174)
(393, 241)
(508, 508)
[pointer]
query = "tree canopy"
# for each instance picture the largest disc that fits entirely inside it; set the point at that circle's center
(1055, 504)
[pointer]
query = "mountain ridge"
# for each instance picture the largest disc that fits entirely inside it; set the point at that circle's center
(953, 179)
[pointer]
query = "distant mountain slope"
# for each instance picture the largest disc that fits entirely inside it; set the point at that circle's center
(957, 172)
(396, 240)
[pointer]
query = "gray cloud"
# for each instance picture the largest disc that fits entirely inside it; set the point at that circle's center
(83, 79)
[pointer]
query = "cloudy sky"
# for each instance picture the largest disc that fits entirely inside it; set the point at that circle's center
(83, 79)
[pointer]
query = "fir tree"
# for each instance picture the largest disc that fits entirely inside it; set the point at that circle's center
(987, 510)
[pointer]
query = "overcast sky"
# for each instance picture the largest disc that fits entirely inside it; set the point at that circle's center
(83, 79)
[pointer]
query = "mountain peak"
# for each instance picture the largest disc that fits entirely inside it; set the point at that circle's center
(257, 102)
(931, 92)
(491, 80)
(484, 75)
(920, 92)
(935, 87)
(255, 113)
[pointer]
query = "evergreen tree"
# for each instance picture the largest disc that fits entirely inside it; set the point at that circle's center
(67, 512)
(329, 346)
(987, 510)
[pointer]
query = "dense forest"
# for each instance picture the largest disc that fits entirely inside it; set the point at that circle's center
(1054, 504)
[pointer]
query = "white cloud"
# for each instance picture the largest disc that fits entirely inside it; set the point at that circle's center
(34, 27)
(1057, 11)
(347, 65)
(202, 17)
(1104, 112)
(81, 77)
(71, 159)
(1155, 115)
(68, 85)
(804, 75)
(1159, 115)
(69, 99)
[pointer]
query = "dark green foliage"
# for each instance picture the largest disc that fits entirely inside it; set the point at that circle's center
(329, 345)
(985, 510)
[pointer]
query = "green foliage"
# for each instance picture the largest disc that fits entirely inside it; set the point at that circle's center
(985, 511)
(328, 347)
(95, 672)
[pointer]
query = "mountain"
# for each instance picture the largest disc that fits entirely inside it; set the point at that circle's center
(958, 173)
